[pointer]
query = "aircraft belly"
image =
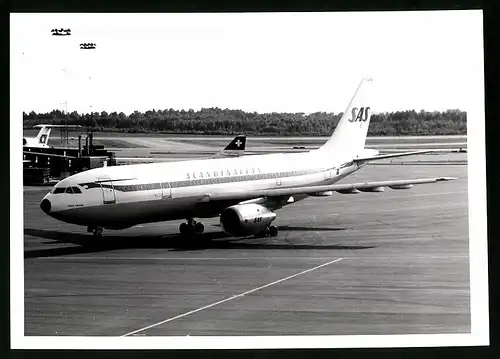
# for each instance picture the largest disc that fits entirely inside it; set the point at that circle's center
(127, 214)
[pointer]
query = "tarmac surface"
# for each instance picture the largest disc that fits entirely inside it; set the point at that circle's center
(373, 263)
(174, 147)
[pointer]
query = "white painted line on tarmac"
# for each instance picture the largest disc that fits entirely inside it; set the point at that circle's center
(230, 298)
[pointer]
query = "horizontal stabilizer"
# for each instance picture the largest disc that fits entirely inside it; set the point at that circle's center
(47, 154)
(57, 126)
(313, 190)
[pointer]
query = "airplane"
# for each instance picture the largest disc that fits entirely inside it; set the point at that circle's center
(42, 139)
(245, 192)
(235, 148)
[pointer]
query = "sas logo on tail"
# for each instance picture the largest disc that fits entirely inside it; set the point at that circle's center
(359, 115)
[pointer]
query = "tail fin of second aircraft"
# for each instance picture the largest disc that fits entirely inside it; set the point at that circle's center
(43, 136)
(237, 144)
(235, 148)
(349, 137)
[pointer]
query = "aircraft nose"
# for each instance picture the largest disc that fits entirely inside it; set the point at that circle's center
(45, 205)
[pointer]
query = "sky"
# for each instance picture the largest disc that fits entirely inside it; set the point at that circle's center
(263, 62)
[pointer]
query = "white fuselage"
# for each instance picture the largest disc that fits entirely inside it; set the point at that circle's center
(123, 196)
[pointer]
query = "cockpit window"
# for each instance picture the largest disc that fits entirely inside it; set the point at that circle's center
(67, 190)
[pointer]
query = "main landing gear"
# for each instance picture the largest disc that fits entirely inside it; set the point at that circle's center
(191, 227)
(271, 231)
(97, 230)
(191, 231)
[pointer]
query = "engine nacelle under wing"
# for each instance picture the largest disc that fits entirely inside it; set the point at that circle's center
(321, 194)
(372, 189)
(349, 191)
(246, 219)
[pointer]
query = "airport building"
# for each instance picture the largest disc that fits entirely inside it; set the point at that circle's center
(43, 165)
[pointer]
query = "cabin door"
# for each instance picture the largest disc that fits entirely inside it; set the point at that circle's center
(166, 190)
(108, 191)
(328, 174)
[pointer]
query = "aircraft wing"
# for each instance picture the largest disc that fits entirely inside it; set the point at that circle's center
(323, 190)
(391, 151)
(390, 155)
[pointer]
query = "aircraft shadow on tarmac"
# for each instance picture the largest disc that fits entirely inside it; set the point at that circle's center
(86, 243)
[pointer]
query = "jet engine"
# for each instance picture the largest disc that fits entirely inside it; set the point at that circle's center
(321, 194)
(246, 219)
(349, 191)
(372, 189)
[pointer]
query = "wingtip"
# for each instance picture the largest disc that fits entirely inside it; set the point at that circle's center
(446, 178)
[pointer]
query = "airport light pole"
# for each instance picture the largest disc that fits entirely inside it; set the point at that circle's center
(86, 47)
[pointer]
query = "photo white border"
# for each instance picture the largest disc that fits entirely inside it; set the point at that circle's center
(477, 257)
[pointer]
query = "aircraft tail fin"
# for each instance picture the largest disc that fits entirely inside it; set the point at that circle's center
(43, 135)
(237, 144)
(235, 148)
(349, 137)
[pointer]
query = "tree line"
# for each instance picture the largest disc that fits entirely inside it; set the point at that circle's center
(216, 121)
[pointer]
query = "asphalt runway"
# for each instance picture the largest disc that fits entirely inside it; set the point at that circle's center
(373, 263)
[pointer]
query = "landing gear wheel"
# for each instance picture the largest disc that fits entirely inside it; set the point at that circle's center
(97, 231)
(273, 231)
(199, 227)
(191, 227)
(264, 233)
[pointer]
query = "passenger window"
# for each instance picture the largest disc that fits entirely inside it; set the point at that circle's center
(76, 190)
(69, 190)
